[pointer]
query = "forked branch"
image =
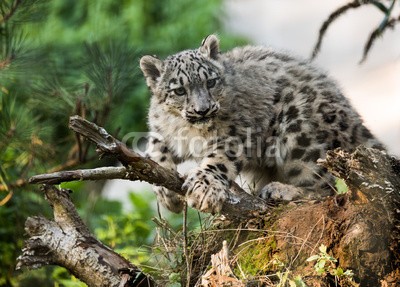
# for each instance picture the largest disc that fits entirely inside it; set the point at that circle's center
(136, 167)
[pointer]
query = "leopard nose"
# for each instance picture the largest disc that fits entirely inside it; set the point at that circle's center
(202, 112)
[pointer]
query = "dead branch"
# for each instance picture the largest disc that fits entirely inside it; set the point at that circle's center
(388, 22)
(67, 242)
(332, 17)
(141, 168)
(21, 182)
(81, 174)
(136, 167)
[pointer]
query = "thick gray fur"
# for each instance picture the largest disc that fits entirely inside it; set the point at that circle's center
(252, 112)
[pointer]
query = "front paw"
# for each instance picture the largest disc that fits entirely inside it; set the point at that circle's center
(280, 191)
(169, 199)
(206, 191)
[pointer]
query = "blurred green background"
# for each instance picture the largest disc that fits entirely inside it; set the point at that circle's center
(64, 57)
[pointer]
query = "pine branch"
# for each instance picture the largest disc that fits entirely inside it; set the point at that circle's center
(11, 12)
(110, 71)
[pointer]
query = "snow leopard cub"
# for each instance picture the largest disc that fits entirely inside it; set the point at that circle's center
(253, 112)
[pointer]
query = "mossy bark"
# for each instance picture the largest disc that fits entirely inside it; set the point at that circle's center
(360, 229)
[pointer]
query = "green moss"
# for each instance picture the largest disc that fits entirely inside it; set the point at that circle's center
(257, 257)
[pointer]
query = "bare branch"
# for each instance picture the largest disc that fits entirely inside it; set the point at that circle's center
(81, 174)
(240, 203)
(332, 17)
(378, 31)
(23, 181)
(387, 22)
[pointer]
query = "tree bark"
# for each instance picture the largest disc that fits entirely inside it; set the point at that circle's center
(361, 228)
(371, 234)
(67, 242)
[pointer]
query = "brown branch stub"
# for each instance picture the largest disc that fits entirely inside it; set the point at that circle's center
(67, 242)
(138, 166)
(64, 211)
(220, 273)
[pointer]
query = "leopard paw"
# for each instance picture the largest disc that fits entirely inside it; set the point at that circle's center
(206, 191)
(280, 191)
(169, 199)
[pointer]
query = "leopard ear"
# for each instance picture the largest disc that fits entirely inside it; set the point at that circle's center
(151, 67)
(210, 47)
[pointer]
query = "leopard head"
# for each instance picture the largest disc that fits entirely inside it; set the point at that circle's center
(188, 84)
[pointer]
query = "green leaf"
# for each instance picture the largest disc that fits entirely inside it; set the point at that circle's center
(312, 258)
(174, 277)
(299, 282)
(338, 272)
(341, 186)
(321, 264)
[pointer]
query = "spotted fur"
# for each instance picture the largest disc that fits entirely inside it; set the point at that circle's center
(254, 112)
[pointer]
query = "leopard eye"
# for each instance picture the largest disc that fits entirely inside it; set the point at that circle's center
(180, 91)
(211, 83)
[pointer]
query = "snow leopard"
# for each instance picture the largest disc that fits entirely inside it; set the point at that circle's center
(252, 114)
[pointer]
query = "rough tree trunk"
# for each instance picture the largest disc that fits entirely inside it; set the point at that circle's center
(360, 229)
(371, 222)
(67, 242)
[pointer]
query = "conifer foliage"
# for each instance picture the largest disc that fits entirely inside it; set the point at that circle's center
(64, 57)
